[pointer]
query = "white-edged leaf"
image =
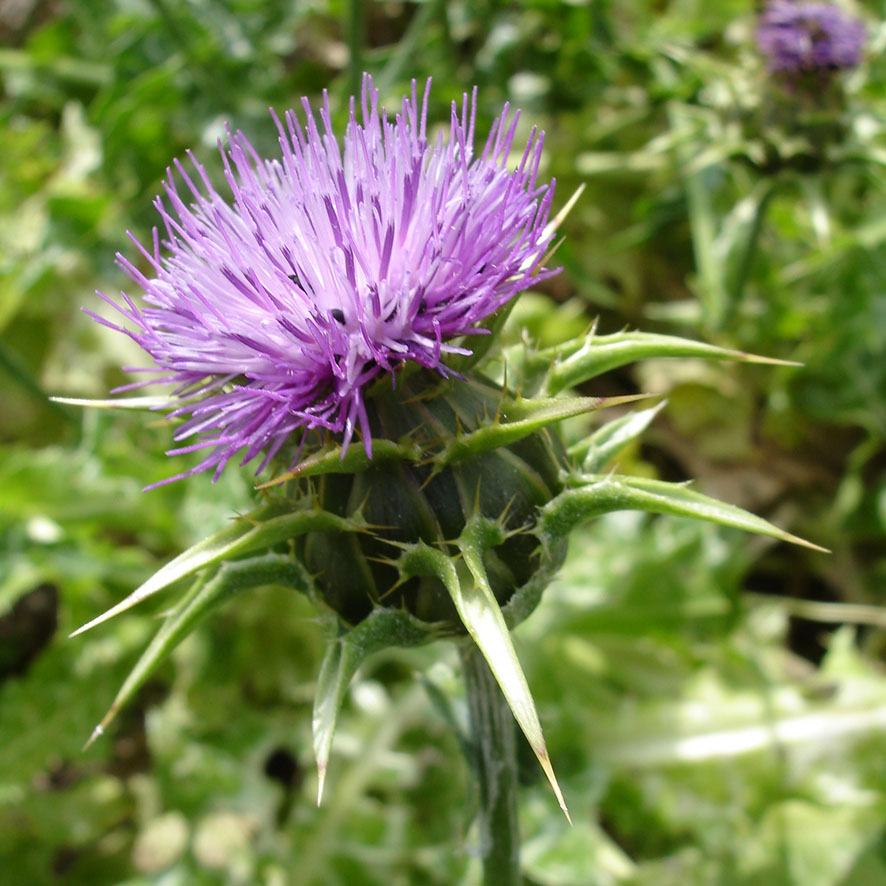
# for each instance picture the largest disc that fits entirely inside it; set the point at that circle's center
(259, 530)
(605, 443)
(591, 495)
(480, 613)
(520, 418)
(584, 358)
(380, 629)
(201, 599)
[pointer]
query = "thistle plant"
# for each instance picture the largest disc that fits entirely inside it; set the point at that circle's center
(805, 47)
(339, 323)
(782, 112)
(804, 38)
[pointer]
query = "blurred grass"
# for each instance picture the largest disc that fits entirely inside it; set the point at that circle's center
(703, 734)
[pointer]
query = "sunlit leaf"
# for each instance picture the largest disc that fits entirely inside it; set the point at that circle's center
(382, 628)
(590, 495)
(206, 595)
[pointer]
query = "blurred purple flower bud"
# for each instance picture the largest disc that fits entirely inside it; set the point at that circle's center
(804, 37)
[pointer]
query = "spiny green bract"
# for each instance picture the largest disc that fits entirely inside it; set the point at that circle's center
(453, 527)
(464, 454)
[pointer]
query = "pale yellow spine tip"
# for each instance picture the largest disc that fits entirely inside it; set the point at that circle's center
(96, 733)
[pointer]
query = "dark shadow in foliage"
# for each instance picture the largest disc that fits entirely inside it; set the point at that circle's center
(282, 766)
(131, 751)
(27, 629)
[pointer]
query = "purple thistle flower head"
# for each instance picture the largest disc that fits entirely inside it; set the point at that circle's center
(331, 266)
(807, 37)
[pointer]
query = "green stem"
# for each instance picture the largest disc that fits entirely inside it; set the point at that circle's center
(196, 65)
(355, 32)
(751, 245)
(409, 46)
(495, 763)
(702, 221)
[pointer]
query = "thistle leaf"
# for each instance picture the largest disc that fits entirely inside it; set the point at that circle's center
(606, 442)
(479, 611)
(520, 418)
(584, 358)
(598, 494)
(481, 615)
(331, 461)
(201, 599)
(380, 629)
(259, 530)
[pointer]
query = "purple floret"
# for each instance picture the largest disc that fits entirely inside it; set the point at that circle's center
(798, 37)
(333, 265)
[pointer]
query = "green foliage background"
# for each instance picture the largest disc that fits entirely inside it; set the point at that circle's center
(714, 704)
